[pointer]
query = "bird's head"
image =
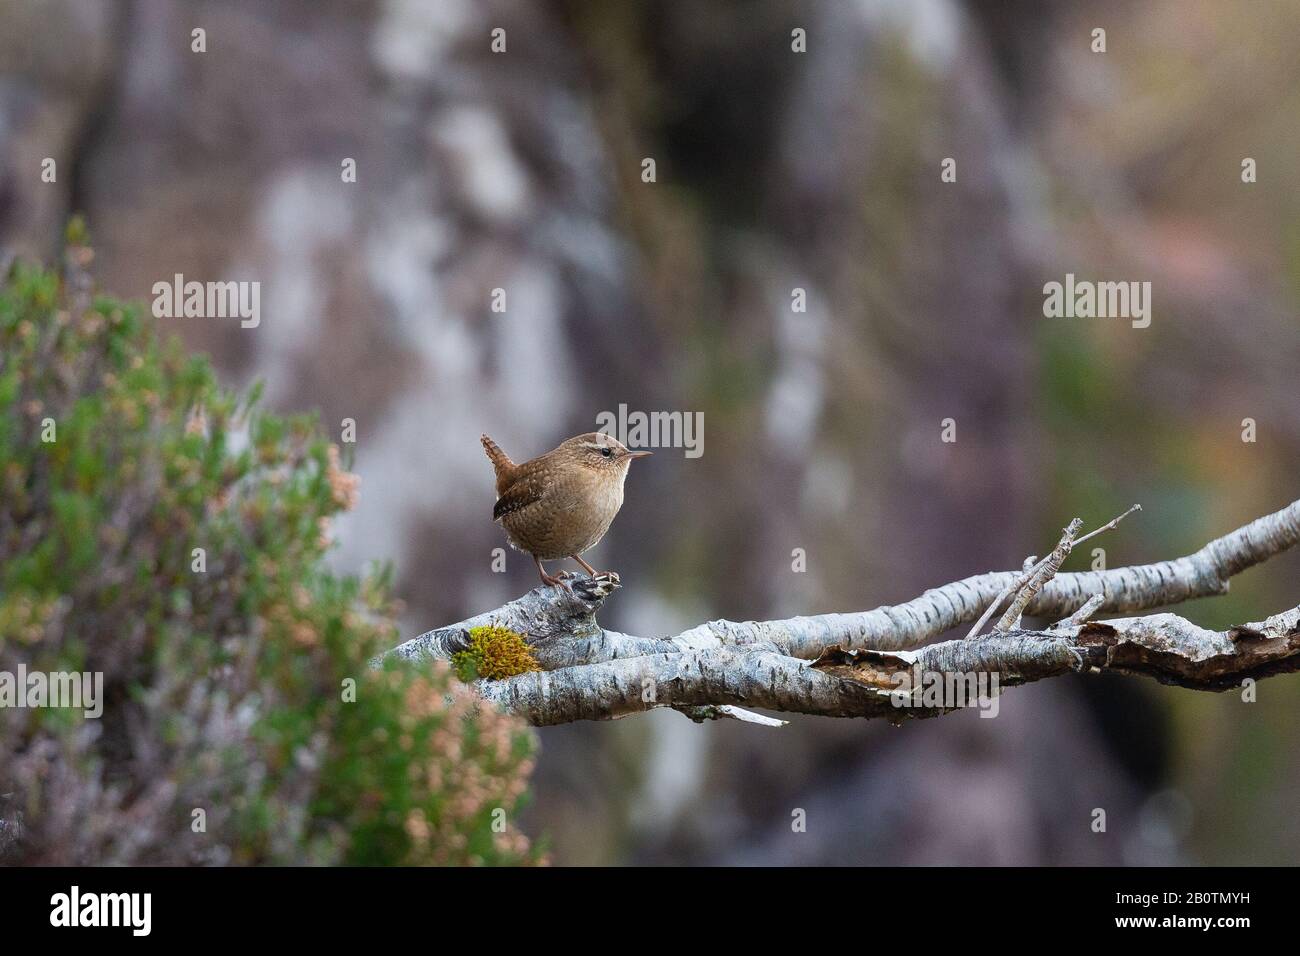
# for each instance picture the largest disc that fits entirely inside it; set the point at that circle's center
(602, 453)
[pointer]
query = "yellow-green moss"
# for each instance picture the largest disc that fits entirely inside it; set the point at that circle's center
(494, 652)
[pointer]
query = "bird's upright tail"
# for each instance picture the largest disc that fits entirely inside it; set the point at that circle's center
(501, 462)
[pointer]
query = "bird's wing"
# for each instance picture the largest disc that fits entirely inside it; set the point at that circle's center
(526, 489)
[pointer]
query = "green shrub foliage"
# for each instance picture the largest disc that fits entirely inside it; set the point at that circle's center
(241, 722)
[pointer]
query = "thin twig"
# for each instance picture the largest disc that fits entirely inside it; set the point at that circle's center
(1029, 584)
(1108, 525)
(1043, 572)
(1082, 615)
(1030, 565)
(997, 603)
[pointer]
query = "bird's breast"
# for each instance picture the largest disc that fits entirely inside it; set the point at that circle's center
(592, 515)
(572, 516)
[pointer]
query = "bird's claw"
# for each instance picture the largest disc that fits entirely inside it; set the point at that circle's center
(590, 586)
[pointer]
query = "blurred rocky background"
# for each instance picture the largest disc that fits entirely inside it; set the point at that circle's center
(775, 170)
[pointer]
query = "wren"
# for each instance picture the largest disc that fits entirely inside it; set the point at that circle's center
(560, 504)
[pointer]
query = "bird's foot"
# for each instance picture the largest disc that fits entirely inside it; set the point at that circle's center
(597, 587)
(557, 581)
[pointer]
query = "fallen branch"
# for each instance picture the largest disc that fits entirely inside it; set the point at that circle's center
(867, 683)
(862, 664)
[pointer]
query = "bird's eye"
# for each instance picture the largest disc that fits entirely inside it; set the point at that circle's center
(607, 452)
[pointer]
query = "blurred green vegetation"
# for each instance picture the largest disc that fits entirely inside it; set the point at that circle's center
(159, 529)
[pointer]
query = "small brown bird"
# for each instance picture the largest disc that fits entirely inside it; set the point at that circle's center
(561, 504)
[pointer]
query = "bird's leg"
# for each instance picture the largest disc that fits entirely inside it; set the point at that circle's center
(548, 579)
(592, 571)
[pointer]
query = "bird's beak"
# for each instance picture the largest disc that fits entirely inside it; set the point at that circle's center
(639, 454)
